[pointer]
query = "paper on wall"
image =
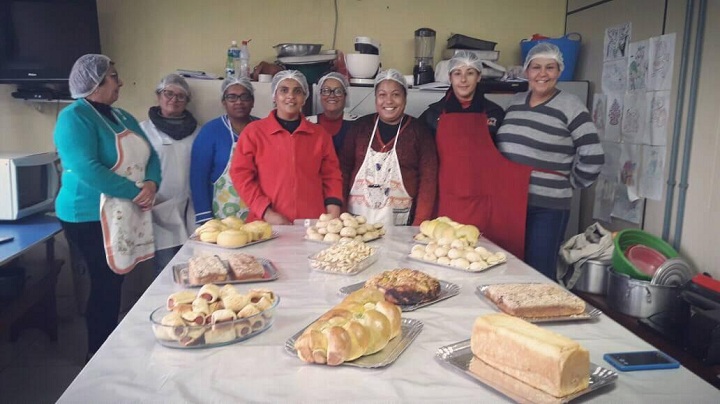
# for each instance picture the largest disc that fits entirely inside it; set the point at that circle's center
(652, 171)
(599, 113)
(638, 57)
(629, 166)
(604, 199)
(614, 76)
(662, 58)
(634, 118)
(613, 120)
(616, 41)
(611, 169)
(658, 113)
(625, 209)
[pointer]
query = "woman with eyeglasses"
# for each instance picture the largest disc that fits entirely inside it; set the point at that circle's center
(389, 161)
(213, 193)
(285, 167)
(171, 129)
(109, 181)
(333, 95)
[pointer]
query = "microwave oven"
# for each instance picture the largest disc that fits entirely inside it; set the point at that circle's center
(29, 183)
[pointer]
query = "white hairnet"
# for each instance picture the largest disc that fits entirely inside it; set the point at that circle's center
(391, 74)
(87, 73)
(175, 80)
(337, 76)
(243, 81)
(292, 75)
(464, 58)
(545, 50)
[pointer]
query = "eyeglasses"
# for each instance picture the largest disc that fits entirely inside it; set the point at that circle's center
(327, 91)
(169, 95)
(235, 97)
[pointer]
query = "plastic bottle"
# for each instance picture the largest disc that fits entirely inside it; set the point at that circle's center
(243, 70)
(233, 56)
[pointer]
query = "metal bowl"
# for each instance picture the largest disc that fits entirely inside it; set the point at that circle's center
(297, 49)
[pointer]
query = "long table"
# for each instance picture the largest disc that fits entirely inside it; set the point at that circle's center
(132, 367)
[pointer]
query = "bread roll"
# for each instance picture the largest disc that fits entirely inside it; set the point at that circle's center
(232, 238)
(541, 358)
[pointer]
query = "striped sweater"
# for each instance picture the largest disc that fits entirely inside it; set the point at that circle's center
(557, 136)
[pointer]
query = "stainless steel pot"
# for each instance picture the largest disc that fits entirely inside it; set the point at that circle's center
(297, 49)
(593, 277)
(640, 299)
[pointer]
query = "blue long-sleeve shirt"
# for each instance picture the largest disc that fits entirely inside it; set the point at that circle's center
(86, 146)
(209, 157)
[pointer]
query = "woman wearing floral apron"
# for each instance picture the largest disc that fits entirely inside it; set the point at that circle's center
(104, 155)
(389, 160)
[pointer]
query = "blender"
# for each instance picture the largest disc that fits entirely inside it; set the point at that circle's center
(424, 48)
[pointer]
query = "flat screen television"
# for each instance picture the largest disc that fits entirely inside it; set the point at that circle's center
(41, 39)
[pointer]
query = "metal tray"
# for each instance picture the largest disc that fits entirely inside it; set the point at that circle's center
(355, 269)
(447, 290)
(458, 358)
(274, 235)
(410, 329)
(333, 242)
(411, 258)
(590, 311)
(426, 242)
(180, 274)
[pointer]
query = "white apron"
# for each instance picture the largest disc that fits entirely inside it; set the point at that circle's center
(226, 201)
(378, 192)
(127, 230)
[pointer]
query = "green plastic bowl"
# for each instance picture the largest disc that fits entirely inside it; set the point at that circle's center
(628, 238)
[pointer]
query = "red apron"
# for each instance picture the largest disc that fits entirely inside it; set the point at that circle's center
(477, 185)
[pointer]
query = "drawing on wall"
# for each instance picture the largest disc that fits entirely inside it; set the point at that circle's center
(611, 169)
(616, 41)
(624, 208)
(633, 117)
(613, 119)
(629, 167)
(598, 113)
(658, 113)
(614, 76)
(637, 65)
(661, 59)
(604, 199)
(651, 172)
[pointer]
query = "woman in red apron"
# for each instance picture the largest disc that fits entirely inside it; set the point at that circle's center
(110, 176)
(389, 162)
(476, 184)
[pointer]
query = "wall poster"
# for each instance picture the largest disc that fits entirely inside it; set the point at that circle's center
(616, 41)
(652, 171)
(638, 57)
(598, 113)
(662, 58)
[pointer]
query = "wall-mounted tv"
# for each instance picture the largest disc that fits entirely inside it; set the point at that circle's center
(41, 39)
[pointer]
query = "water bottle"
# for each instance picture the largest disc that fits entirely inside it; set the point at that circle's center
(243, 70)
(233, 55)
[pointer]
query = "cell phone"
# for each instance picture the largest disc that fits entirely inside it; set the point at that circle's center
(642, 360)
(5, 239)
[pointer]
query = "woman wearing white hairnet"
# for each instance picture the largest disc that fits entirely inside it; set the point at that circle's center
(389, 160)
(476, 185)
(285, 167)
(333, 96)
(213, 193)
(171, 130)
(551, 132)
(109, 180)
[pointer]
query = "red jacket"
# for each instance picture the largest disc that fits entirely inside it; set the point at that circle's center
(295, 173)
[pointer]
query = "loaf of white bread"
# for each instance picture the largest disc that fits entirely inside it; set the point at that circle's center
(362, 324)
(541, 358)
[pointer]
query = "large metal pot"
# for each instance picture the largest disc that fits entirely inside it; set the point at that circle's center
(297, 49)
(593, 277)
(640, 299)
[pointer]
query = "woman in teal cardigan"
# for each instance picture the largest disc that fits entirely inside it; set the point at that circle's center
(85, 136)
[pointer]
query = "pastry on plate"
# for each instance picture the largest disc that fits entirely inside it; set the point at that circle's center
(534, 300)
(405, 286)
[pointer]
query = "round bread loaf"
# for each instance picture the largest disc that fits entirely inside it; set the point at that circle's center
(232, 238)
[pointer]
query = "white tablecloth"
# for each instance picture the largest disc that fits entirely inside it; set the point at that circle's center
(132, 367)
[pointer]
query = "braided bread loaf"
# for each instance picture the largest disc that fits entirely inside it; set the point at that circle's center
(362, 324)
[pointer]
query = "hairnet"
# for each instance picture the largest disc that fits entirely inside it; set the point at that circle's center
(173, 79)
(289, 74)
(87, 73)
(464, 58)
(391, 74)
(337, 76)
(231, 81)
(545, 50)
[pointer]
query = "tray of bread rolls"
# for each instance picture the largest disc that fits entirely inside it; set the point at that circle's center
(457, 255)
(233, 232)
(537, 302)
(408, 288)
(459, 358)
(444, 229)
(213, 316)
(344, 228)
(224, 268)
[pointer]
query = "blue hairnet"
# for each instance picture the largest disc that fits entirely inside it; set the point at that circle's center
(391, 74)
(87, 73)
(337, 76)
(174, 80)
(243, 81)
(464, 58)
(545, 50)
(289, 74)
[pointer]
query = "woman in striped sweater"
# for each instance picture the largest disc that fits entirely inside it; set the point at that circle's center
(552, 132)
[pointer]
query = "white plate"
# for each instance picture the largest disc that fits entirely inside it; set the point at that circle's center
(447, 290)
